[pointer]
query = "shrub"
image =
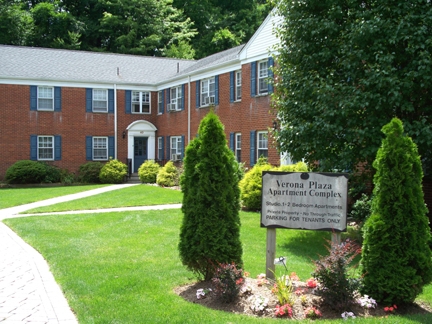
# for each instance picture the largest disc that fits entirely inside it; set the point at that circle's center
(298, 167)
(337, 287)
(251, 185)
(52, 173)
(227, 281)
(66, 177)
(168, 175)
(396, 258)
(361, 209)
(89, 172)
(26, 171)
(148, 171)
(113, 172)
(210, 230)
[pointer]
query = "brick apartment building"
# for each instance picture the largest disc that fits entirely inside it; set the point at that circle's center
(70, 107)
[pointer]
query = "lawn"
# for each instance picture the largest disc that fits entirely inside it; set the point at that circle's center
(122, 267)
(11, 197)
(139, 195)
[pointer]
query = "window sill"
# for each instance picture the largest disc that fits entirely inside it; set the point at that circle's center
(40, 109)
(262, 94)
(141, 113)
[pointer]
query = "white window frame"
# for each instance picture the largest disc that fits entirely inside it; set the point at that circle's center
(100, 100)
(160, 148)
(160, 102)
(97, 146)
(176, 97)
(208, 89)
(140, 99)
(44, 148)
(237, 147)
(45, 95)
(175, 146)
(262, 144)
(238, 85)
(262, 77)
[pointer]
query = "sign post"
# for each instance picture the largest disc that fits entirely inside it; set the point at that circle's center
(302, 200)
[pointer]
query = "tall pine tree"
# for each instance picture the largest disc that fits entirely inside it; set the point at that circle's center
(396, 257)
(210, 231)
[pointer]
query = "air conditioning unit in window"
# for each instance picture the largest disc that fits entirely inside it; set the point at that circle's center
(175, 157)
(172, 107)
(209, 100)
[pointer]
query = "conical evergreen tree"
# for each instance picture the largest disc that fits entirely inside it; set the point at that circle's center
(396, 258)
(210, 231)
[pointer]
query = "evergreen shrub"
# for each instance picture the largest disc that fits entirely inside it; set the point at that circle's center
(113, 171)
(89, 172)
(297, 167)
(396, 258)
(168, 175)
(52, 173)
(361, 209)
(26, 172)
(148, 171)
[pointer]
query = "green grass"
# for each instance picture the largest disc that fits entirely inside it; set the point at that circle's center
(122, 267)
(139, 195)
(20, 196)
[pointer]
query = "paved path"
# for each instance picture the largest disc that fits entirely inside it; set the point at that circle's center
(28, 291)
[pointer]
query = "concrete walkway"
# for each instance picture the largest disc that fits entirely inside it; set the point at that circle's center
(28, 291)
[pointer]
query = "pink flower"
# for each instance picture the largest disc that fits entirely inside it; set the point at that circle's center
(299, 291)
(311, 283)
(284, 310)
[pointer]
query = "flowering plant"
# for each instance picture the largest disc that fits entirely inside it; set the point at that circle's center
(227, 281)
(261, 280)
(312, 312)
(294, 277)
(303, 300)
(390, 309)
(201, 293)
(367, 302)
(260, 304)
(284, 310)
(299, 291)
(282, 288)
(347, 315)
(311, 283)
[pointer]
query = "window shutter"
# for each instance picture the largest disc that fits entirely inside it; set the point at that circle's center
(57, 147)
(270, 75)
(168, 91)
(128, 103)
(89, 148)
(231, 141)
(111, 101)
(33, 97)
(33, 147)
(253, 78)
(197, 93)
(162, 149)
(217, 90)
(57, 99)
(183, 97)
(182, 146)
(163, 102)
(252, 148)
(89, 100)
(168, 148)
(232, 80)
(111, 147)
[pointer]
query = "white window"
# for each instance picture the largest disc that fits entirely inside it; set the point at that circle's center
(175, 98)
(238, 146)
(176, 148)
(160, 102)
(238, 85)
(141, 102)
(262, 77)
(100, 148)
(45, 148)
(100, 100)
(208, 92)
(45, 98)
(160, 148)
(262, 144)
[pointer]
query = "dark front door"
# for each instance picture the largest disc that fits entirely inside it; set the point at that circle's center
(140, 151)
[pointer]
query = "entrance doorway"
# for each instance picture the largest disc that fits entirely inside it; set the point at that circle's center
(140, 151)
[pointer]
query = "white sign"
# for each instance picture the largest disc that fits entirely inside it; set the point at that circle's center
(304, 200)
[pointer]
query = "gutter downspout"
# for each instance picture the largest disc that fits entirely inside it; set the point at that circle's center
(115, 121)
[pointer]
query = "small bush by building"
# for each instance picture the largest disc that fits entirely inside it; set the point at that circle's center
(148, 171)
(89, 172)
(168, 175)
(113, 172)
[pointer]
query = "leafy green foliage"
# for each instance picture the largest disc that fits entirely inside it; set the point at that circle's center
(148, 171)
(168, 175)
(345, 69)
(89, 172)
(210, 231)
(298, 167)
(361, 209)
(396, 257)
(227, 281)
(26, 171)
(114, 171)
(337, 286)
(52, 173)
